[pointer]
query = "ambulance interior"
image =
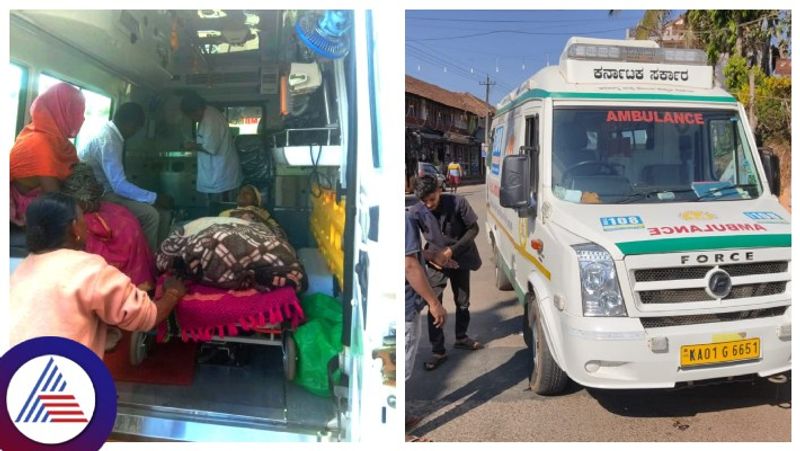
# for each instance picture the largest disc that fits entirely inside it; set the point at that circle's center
(284, 80)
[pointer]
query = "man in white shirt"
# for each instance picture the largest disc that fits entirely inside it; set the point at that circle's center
(219, 173)
(104, 153)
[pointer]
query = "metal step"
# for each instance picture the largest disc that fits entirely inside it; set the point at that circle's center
(142, 423)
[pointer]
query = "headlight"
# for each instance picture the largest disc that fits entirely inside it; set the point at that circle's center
(599, 283)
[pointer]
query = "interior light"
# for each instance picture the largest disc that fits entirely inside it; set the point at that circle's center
(211, 13)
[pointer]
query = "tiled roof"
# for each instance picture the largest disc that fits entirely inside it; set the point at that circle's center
(459, 100)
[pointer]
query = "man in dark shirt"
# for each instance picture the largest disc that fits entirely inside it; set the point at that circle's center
(449, 225)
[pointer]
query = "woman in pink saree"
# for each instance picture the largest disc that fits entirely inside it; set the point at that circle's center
(43, 160)
(114, 232)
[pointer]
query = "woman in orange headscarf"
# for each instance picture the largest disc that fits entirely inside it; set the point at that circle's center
(42, 156)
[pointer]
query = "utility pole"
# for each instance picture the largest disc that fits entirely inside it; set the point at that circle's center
(488, 83)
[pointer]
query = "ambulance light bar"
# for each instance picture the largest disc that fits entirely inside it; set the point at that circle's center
(637, 54)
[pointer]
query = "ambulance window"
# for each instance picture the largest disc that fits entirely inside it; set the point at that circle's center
(17, 77)
(46, 82)
(98, 107)
(532, 131)
(497, 149)
(98, 112)
(532, 140)
(243, 120)
(731, 162)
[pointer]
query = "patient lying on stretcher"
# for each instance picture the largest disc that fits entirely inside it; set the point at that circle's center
(243, 248)
(248, 207)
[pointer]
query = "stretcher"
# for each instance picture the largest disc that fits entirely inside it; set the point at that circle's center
(264, 319)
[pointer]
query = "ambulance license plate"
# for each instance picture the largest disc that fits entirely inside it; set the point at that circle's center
(712, 353)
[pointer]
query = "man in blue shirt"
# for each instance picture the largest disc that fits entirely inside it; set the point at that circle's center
(104, 153)
(219, 173)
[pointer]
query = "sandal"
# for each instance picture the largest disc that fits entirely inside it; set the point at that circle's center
(414, 438)
(468, 344)
(435, 361)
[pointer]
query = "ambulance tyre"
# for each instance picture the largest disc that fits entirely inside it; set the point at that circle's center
(546, 377)
(289, 355)
(527, 333)
(500, 279)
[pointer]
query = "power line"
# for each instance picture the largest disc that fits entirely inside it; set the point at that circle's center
(446, 62)
(433, 54)
(432, 59)
(533, 33)
(456, 73)
(494, 54)
(414, 28)
(438, 19)
(436, 54)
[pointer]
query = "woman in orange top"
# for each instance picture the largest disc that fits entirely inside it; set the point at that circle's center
(42, 156)
(61, 290)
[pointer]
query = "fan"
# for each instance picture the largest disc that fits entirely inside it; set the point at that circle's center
(326, 37)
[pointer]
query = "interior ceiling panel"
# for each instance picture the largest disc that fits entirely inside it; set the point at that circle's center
(153, 47)
(133, 43)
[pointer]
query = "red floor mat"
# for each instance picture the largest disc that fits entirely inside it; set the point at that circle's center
(170, 363)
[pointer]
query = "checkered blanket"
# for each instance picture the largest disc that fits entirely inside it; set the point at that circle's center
(233, 256)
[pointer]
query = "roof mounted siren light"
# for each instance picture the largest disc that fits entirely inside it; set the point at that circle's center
(327, 36)
(595, 52)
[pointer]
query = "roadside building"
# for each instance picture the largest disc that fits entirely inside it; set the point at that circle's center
(442, 126)
(672, 34)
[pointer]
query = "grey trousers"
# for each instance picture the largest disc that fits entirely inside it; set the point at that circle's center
(413, 336)
(155, 221)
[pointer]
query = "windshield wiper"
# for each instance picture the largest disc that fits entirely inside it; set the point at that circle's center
(713, 192)
(647, 194)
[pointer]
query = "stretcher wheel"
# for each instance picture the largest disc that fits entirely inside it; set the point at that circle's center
(289, 355)
(140, 347)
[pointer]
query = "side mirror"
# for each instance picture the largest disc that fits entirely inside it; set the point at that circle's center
(772, 169)
(515, 182)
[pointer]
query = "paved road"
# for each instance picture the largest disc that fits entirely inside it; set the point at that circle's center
(482, 395)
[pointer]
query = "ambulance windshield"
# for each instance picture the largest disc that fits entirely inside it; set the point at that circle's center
(645, 155)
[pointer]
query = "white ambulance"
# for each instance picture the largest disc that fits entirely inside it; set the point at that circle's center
(632, 212)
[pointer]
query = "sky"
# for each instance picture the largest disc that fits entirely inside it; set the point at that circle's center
(441, 50)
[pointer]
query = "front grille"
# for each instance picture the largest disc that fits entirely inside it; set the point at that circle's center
(757, 289)
(699, 272)
(668, 321)
(700, 295)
